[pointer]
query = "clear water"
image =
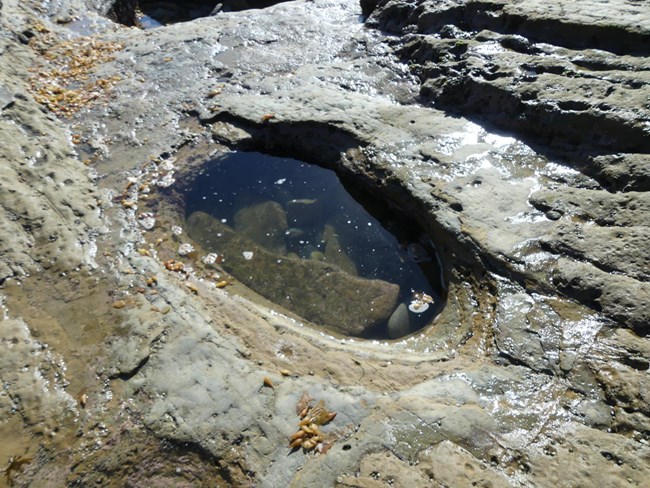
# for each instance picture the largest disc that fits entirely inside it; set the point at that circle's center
(145, 21)
(380, 245)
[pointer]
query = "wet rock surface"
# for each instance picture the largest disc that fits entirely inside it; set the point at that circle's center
(515, 133)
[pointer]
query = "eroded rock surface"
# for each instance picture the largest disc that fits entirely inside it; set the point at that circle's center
(515, 133)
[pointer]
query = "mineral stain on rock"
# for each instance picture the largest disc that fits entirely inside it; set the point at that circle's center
(300, 240)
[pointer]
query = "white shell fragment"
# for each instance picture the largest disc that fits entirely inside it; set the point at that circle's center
(418, 306)
(185, 249)
(248, 255)
(167, 180)
(147, 221)
(176, 230)
(210, 258)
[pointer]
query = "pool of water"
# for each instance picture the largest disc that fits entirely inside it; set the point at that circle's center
(287, 213)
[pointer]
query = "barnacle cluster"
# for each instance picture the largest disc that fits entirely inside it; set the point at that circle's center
(64, 84)
(309, 436)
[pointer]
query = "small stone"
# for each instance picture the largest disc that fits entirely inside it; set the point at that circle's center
(399, 324)
(553, 215)
(210, 258)
(418, 306)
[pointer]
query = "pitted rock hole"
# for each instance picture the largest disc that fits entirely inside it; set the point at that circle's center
(148, 14)
(293, 233)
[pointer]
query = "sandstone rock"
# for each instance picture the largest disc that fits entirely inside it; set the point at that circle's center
(605, 459)
(603, 208)
(624, 172)
(384, 468)
(516, 383)
(621, 298)
(614, 249)
(479, 74)
(318, 292)
(440, 461)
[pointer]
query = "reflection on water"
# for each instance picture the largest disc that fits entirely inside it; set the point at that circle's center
(298, 211)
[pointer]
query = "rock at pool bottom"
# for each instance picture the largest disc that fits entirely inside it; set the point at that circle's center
(399, 323)
(319, 292)
(265, 223)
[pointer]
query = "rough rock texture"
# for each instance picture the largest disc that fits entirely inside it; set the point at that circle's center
(515, 133)
(568, 74)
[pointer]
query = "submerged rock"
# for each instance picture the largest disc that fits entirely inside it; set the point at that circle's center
(399, 324)
(319, 292)
(335, 253)
(264, 223)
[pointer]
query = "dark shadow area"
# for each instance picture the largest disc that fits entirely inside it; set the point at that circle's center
(149, 14)
(478, 16)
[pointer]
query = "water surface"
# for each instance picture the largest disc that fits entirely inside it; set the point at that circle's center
(301, 210)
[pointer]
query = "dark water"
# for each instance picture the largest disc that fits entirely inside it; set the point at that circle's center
(380, 245)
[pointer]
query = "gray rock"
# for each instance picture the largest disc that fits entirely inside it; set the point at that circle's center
(552, 99)
(6, 97)
(603, 208)
(622, 298)
(439, 464)
(614, 249)
(398, 323)
(520, 381)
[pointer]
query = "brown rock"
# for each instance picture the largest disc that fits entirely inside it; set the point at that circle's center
(334, 252)
(319, 292)
(265, 223)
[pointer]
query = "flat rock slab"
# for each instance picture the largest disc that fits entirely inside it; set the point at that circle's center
(319, 292)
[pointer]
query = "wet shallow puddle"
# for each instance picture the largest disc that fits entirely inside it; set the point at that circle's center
(294, 234)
